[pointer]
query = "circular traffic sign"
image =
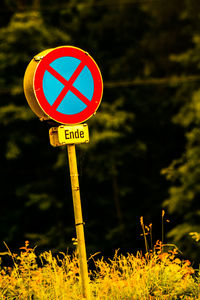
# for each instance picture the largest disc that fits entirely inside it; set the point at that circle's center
(68, 85)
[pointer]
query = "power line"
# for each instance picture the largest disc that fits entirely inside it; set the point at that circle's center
(173, 81)
(169, 81)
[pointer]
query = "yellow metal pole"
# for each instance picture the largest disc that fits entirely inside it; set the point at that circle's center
(78, 221)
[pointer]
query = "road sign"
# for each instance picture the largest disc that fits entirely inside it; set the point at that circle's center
(63, 135)
(67, 85)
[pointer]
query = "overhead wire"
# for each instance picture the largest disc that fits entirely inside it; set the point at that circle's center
(168, 81)
(173, 81)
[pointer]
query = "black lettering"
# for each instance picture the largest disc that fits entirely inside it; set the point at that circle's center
(74, 134)
(71, 135)
(81, 134)
(77, 134)
(66, 134)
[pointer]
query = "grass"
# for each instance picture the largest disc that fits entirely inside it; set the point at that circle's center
(159, 274)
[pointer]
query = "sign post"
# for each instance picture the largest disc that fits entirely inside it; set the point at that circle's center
(58, 138)
(65, 85)
(78, 221)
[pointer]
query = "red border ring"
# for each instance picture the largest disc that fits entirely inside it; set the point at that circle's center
(38, 85)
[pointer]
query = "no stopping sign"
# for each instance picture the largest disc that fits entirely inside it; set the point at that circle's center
(67, 85)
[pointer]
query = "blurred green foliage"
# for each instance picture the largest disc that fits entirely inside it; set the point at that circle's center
(146, 126)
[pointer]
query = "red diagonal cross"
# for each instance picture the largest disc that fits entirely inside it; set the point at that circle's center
(68, 85)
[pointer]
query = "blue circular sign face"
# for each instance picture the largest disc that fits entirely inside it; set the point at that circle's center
(68, 85)
(52, 86)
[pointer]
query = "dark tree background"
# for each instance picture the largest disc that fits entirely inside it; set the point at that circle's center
(144, 152)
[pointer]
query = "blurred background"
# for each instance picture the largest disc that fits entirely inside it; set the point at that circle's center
(143, 158)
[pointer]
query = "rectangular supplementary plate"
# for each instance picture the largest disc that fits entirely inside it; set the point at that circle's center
(76, 134)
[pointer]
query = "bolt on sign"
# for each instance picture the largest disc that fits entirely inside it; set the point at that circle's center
(64, 84)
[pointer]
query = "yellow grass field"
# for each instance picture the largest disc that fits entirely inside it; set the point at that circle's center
(158, 274)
